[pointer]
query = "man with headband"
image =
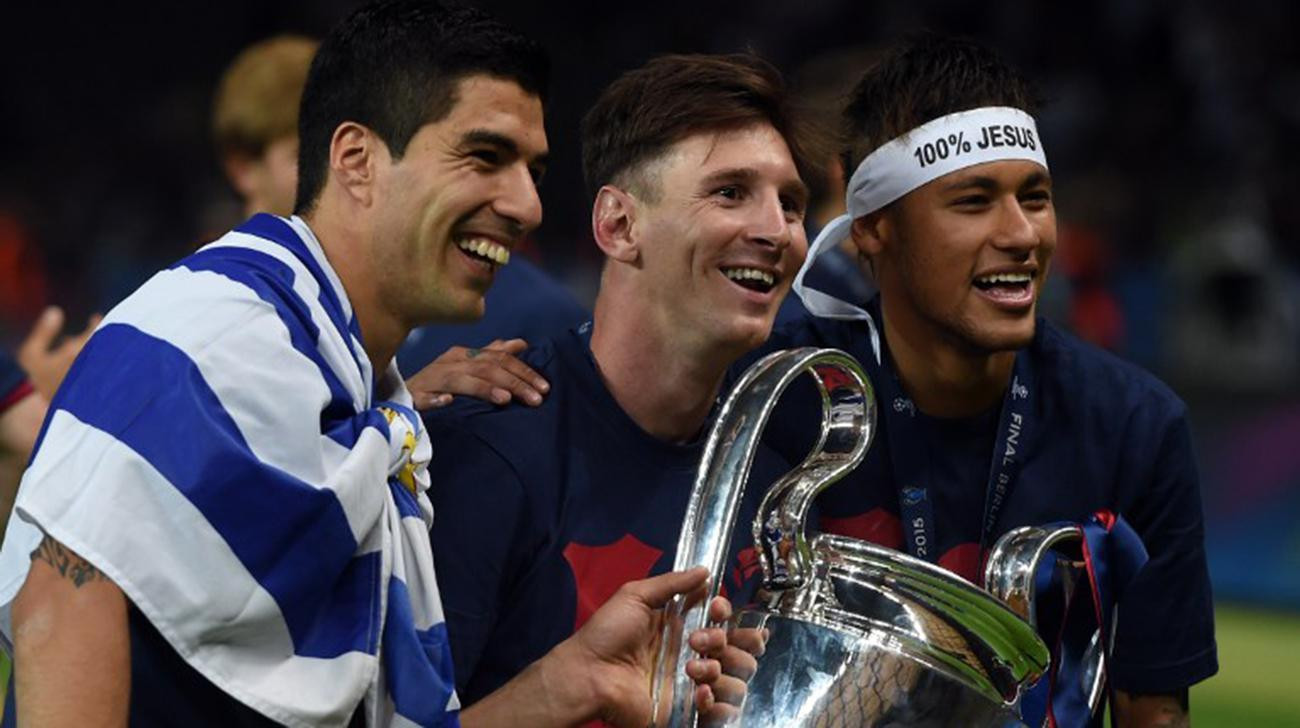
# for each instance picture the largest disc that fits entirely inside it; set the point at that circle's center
(991, 419)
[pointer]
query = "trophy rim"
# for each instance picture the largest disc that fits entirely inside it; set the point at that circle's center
(1015, 656)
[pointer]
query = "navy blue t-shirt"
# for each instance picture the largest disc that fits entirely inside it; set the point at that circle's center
(1109, 436)
(523, 303)
(541, 514)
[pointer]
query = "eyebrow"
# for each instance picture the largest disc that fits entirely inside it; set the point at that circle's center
(977, 182)
(1036, 179)
(749, 175)
(988, 184)
(503, 143)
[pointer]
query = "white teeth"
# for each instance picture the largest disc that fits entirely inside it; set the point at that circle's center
(487, 248)
(741, 274)
(997, 278)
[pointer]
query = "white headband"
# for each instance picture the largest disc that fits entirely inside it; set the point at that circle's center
(930, 151)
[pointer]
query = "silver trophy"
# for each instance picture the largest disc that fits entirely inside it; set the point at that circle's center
(855, 634)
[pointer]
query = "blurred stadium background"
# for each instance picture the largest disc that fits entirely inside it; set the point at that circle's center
(1173, 130)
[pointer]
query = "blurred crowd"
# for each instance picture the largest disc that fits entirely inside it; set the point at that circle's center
(1175, 128)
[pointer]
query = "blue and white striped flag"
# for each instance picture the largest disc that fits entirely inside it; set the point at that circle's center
(223, 452)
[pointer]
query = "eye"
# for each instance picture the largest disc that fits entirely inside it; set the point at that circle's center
(734, 193)
(1036, 199)
(971, 201)
(793, 207)
(487, 156)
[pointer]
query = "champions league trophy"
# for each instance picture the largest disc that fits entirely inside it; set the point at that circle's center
(855, 634)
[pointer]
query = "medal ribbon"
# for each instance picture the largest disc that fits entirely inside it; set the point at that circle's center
(1112, 555)
(909, 450)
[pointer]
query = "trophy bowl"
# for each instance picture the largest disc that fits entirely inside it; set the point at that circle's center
(853, 634)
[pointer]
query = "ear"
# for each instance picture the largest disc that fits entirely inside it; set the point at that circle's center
(612, 217)
(871, 233)
(354, 153)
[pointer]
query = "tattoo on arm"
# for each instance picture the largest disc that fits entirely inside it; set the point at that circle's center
(69, 565)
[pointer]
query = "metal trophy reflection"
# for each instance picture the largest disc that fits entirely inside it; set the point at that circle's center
(855, 634)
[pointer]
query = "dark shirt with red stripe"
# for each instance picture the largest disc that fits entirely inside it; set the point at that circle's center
(541, 514)
(13, 383)
(1110, 437)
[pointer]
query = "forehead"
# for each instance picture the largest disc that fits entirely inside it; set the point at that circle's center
(499, 106)
(1006, 173)
(757, 146)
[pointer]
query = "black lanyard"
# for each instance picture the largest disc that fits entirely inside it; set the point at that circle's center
(909, 449)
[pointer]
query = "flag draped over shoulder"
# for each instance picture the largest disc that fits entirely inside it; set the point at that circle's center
(224, 453)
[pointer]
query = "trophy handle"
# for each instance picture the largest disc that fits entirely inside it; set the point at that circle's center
(847, 428)
(1010, 575)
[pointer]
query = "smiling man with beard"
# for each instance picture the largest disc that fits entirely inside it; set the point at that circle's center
(226, 520)
(694, 163)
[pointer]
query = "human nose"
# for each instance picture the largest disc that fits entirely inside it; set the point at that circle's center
(771, 224)
(519, 200)
(1015, 230)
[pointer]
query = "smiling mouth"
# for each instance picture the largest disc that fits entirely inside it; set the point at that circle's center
(1014, 289)
(751, 278)
(1010, 282)
(485, 250)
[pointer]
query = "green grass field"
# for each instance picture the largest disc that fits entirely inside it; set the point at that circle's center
(1259, 671)
(1258, 684)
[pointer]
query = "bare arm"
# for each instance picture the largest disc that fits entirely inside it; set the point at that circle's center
(1152, 711)
(549, 694)
(72, 652)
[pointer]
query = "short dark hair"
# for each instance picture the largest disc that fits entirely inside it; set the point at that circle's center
(647, 110)
(921, 79)
(394, 66)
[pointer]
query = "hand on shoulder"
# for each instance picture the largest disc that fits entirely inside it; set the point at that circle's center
(493, 373)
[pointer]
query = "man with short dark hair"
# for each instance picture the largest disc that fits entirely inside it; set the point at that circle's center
(227, 516)
(990, 418)
(694, 163)
(255, 130)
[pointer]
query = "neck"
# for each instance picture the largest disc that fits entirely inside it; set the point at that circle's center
(345, 247)
(664, 383)
(943, 378)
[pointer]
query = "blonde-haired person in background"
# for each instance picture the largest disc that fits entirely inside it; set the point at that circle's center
(255, 121)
